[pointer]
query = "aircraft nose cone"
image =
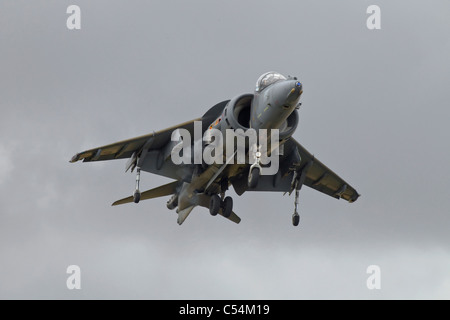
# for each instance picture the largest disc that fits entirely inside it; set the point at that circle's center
(295, 93)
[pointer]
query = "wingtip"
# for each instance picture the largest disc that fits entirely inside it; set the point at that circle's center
(354, 198)
(75, 158)
(233, 217)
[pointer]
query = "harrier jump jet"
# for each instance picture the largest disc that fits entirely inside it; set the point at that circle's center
(272, 106)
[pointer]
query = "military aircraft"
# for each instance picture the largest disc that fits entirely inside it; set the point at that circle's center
(273, 106)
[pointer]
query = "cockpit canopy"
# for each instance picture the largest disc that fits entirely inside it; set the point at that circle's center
(267, 79)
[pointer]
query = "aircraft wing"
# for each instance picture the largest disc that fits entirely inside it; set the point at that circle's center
(317, 176)
(126, 148)
(323, 179)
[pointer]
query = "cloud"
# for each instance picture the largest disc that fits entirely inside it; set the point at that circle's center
(6, 163)
(139, 268)
(374, 110)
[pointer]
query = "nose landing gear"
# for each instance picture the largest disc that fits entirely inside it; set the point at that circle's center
(253, 176)
(255, 169)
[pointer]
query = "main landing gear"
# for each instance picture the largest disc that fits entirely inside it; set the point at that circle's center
(225, 203)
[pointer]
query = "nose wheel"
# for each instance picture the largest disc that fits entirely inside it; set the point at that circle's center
(253, 177)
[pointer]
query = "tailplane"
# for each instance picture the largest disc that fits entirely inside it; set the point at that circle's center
(161, 191)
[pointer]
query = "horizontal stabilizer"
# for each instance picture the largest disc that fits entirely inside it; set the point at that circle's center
(161, 191)
(233, 217)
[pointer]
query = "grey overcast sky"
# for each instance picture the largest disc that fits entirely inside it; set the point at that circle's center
(375, 110)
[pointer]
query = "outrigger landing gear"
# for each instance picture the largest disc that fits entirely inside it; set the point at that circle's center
(297, 183)
(173, 202)
(296, 216)
(137, 193)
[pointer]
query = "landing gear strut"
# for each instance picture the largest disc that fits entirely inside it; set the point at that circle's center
(255, 170)
(296, 216)
(137, 193)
